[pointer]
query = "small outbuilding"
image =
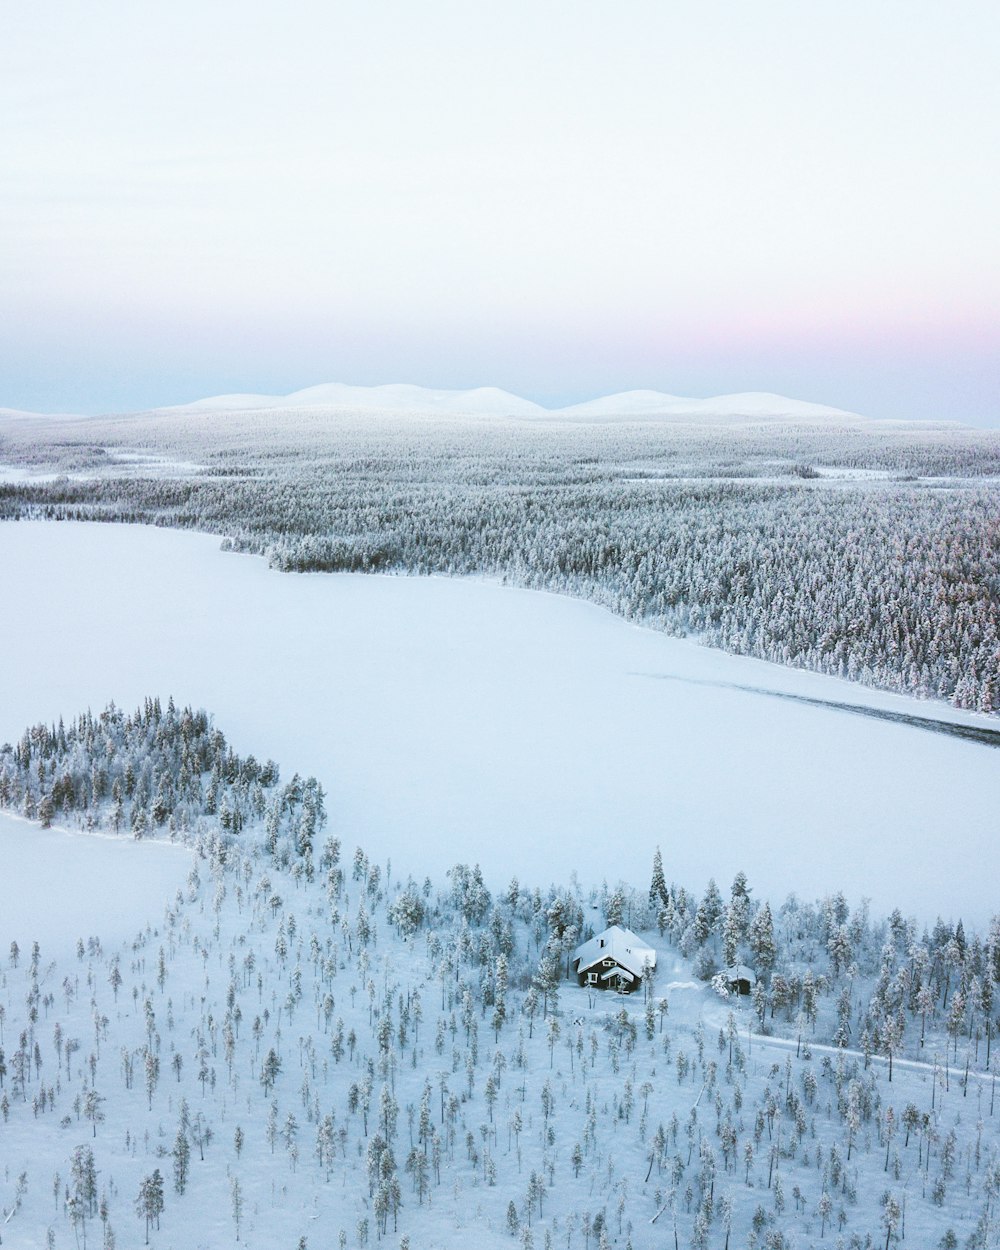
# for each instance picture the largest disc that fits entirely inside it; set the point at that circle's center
(616, 959)
(740, 979)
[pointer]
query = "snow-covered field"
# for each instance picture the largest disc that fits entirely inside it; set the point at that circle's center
(465, 720)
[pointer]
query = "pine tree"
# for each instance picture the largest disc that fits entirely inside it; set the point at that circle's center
(708, 914)
(92, 1108)
(616, 906)
(149, 1201)
(46, 811)
(739, 906)
(269, 1070)
(658, 894)
(760, 939)
(547, 978)
(83, 1174)
(730, 936)
(182, 1159)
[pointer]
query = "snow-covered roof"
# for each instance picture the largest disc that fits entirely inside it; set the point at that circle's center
(623, 973)
(621, 945)
(740, 972)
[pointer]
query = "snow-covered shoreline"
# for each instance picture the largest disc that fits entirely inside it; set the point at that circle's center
(462, 718)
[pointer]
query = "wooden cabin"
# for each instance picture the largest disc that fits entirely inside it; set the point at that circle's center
(616, 959)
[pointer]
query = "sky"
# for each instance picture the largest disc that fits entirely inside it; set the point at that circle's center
(564, 199)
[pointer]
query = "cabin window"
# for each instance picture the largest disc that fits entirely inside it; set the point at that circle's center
(608, 963)
(591, 978)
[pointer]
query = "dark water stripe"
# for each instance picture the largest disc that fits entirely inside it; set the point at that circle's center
(969, 733)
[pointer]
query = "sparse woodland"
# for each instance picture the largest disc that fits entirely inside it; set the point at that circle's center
(734, 535)
(304, 1051)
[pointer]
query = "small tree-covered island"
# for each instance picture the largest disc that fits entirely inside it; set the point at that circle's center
(302, 1049)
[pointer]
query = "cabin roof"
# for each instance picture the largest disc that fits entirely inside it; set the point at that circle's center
(622, 945)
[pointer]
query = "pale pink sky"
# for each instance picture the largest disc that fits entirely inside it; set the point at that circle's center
(560, 198)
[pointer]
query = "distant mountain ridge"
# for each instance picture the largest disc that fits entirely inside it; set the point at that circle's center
(744, 404)
(491, 401)
(395, 397)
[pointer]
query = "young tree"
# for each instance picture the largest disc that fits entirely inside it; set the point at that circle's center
(92, 1108)
(151, 1065)
(237, 1198)
(149, 1201)
(269, 1070)
(547, 978)
(553, 1032)
(891, 1215)
(824, 1209)
(83, 1176)
(182, 1159)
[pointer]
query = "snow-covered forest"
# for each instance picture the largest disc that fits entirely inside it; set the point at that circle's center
(866, 550)
(304, 1050)
(304, 1047)
(147, 766)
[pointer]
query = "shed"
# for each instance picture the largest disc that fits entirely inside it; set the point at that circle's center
(740, 979)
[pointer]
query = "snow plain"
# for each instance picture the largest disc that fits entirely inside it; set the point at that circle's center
(457, 720)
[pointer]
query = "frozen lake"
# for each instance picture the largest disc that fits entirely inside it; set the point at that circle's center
(60, 886)
(461, 720)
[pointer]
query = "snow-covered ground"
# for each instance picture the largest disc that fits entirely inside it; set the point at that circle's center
(262, 1043)
(148, 464)
(61, 885)
(536, 734)
(121, 462)
(17, 473)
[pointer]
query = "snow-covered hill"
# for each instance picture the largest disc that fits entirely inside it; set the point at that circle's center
(490, 401)
(749, 404)
(398, 398)
(16, 414)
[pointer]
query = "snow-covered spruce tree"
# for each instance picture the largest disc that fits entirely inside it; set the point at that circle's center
(658, 893)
